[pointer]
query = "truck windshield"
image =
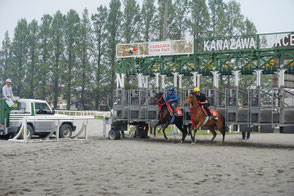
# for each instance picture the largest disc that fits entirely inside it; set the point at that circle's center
(42, 108)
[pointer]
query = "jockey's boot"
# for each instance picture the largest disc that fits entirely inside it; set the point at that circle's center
(173, 119)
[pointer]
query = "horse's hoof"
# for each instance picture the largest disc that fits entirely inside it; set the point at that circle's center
(166, 139)
(182, 142)
(192, 142)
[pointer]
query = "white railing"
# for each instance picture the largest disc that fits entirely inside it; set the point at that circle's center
(84, 113)
(58, 122)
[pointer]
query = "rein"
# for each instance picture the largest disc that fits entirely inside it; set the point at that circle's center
(160, 105)
(194, 112)
(195, 106)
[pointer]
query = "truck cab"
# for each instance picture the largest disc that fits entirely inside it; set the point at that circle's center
(35, 107)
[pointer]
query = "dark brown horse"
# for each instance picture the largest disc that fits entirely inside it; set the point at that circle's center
(165, 117)
(198, 119)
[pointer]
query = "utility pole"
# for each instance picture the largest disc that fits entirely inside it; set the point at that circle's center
(165, 20)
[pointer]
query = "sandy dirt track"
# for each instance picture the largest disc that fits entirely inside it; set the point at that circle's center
(264, 165)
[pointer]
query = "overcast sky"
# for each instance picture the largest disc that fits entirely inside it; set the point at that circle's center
(267, 15)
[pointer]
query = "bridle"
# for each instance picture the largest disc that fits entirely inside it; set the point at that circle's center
(195, 106)
(160, 106)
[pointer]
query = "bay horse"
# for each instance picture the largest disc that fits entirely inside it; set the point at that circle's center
(198, 119)
(165, 117)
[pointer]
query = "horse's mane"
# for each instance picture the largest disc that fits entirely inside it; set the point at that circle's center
(194, 94)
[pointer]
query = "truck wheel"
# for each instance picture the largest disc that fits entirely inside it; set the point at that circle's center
(65, 131)
(113, 134)
(30, 132)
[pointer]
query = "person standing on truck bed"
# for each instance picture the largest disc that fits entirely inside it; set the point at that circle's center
(7, 90)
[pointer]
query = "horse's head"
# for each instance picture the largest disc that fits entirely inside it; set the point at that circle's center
(191, 100)
(158, 98)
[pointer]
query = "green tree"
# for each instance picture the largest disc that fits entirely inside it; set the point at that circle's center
(131, 21)
(32, 65)
(148, 19)
(178, 29)
(198, 22)
(218, 17)
(85, 47)
(248, 28)
(56, 54)
(5, 58)
(113, 29)
(100, 35)
(45, 47)
(234, 18)
(72, 31)
(19, 49)
(160, 19)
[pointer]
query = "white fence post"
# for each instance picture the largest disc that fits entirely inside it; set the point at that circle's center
(86, 130)
(25, 132)
(57, 130)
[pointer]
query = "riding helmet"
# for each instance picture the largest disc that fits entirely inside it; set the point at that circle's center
(171, 88)
(196, 89)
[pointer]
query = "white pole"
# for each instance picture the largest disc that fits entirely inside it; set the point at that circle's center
(57, 130)
(157, 80)
(258, 77)
(194, 78)
(282, 77)
(198, 80)
(236, 73)
(215, 79)
(162, 81)
(180, 81)
(25, 136)
(146, 81)
(175, 79)
(140, 85)
(86, 130)
(120, 80)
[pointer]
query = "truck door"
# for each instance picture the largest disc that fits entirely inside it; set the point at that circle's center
(42, 109)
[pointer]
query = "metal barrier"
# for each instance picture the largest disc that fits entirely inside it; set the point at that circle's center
(84, 113)
(23, 129)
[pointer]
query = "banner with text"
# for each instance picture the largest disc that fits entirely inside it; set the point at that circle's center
(174, 47)
(259, 41)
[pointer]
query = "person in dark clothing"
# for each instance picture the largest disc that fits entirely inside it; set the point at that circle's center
(172, 96)
(203, 101)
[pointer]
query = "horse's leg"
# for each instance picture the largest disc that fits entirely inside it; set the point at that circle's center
(220, 124)
(156, 125)
(194, 135)
(179, 125)
(150, 129)
(163, 130)
(214, 134)
(190, 131)
(188, 127)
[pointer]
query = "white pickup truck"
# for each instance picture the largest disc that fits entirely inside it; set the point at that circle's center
(34, 107)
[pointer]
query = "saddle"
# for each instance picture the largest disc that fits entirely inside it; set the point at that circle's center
(213, 112)
(179, 111)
